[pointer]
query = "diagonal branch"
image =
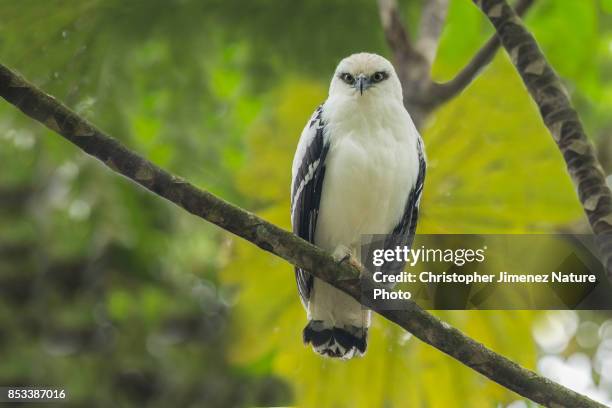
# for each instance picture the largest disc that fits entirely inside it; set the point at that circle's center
(442, 92)
(431, 24)
(394, 29)
(344, 276)
(412, 66)
(561, 120)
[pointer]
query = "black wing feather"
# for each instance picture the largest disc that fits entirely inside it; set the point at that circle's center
(404, 231)
(306, 195)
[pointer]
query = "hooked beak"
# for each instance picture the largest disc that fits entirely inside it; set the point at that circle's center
(362, 83)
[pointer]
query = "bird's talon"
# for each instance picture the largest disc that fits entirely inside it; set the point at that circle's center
(341, 254)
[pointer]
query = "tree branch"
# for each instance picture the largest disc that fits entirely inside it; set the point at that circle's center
(413, 62)
(344, 276)
(394, 30)
(430, 28)
(561, 120)
(442, 92)
(411, 65)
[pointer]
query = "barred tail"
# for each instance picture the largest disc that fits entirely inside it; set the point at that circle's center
(337, 342)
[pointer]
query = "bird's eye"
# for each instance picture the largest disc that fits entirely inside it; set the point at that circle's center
(379, 76)
(348, 78)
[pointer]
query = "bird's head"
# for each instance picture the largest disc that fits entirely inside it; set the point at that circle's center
(367, 76)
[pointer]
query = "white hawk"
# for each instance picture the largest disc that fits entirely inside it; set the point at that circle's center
(359, 169)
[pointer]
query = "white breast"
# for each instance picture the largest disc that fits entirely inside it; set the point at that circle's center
(371, 166)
